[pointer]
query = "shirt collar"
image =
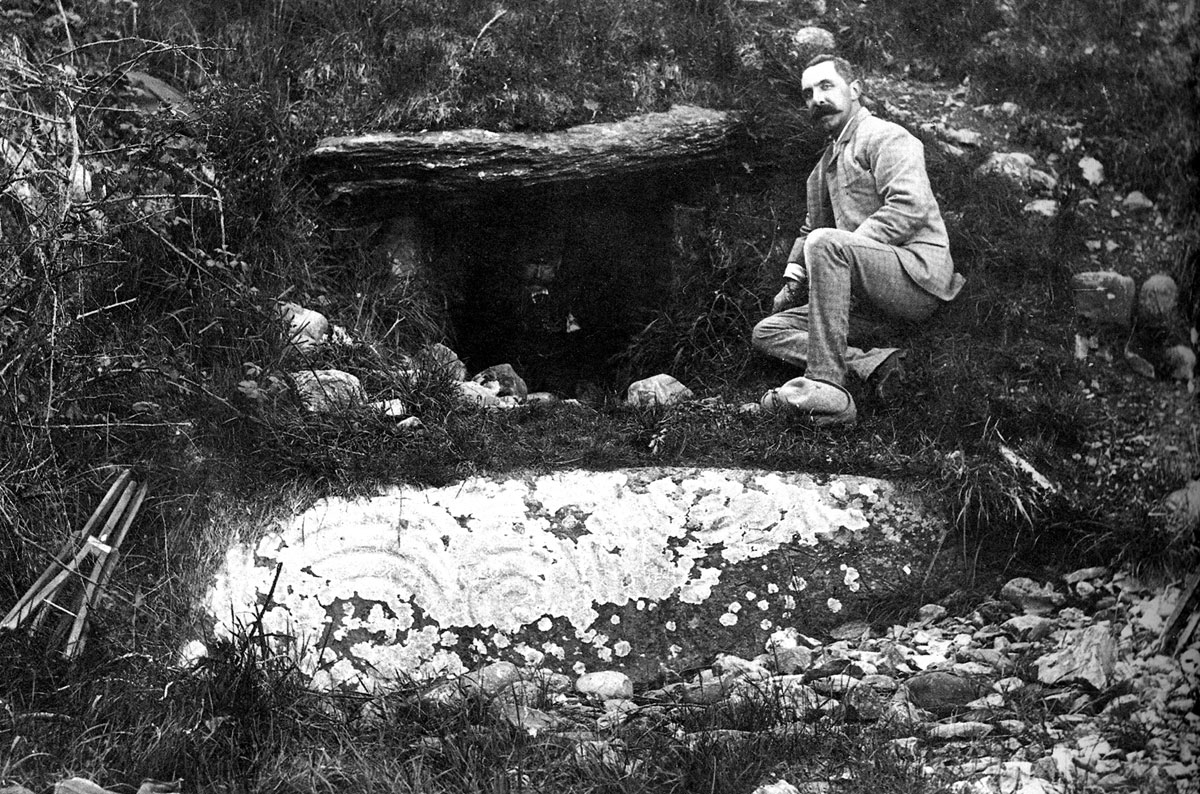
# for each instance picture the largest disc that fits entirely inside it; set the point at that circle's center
(851, 125)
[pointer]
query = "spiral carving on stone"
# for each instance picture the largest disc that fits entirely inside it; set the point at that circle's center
(370, 591)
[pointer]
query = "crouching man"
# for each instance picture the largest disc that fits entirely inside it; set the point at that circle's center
(873, 232)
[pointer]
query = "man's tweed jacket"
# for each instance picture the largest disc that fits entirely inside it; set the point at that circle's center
(872, 181)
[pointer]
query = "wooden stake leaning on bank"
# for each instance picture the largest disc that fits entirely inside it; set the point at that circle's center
(65, 582)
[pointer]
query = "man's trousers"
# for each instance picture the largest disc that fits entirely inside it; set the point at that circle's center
(817, 335)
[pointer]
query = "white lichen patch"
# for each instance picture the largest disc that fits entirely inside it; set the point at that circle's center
(377, 590)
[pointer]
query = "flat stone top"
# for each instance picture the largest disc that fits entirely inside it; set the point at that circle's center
(406, 165)
(626, 134)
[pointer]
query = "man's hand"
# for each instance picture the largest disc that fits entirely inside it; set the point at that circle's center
(788, 296)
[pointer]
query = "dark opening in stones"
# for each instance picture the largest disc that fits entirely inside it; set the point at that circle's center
(553, 249)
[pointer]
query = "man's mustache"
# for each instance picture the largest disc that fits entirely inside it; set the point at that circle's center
(821, 111)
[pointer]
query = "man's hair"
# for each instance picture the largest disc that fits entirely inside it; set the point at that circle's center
(841, 65)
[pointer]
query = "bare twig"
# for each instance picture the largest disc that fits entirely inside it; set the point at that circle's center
(62, 12)
(484, 29)
(103, 309)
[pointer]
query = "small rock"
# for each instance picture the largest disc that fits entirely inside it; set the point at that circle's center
(855, 630)
(880, 683)
(504, 380)
(1092, 170)
(960, 730)
(306, 329)
(1030, 628)
(1104, 296)
(1019, 168)
(526, 718)
(787, 661)
(864, 703)
(1157, 300)
(605, 685)
(811, 40)
(1139, 364)
(478, 394)
(778, 787)
(1030, 597)
(1047, 208)
(1088, 654)
(544, 397)
(442, 361)
(962, 137)
(328, 390)
(1084, 574)
(1137, 201)
(797, 696)
(940, 692)
(393, 408)
(834, 684)
(931, 613)
(1182, 507)
(490, 679)
(1180, 361)
(657, 390)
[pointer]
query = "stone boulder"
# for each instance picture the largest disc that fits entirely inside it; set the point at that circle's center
(1104, 296)
(1020, 169)
(657, 390)
(940, 692)
(441, 361)
(328, 390)
(605, 685)
(504, 380)
(1180, 362)
(1030, 597)
(306, 329)
(1086, 655)
(1156, 300)
(810, 41)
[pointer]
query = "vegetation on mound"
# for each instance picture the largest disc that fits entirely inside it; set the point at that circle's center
(141, 255)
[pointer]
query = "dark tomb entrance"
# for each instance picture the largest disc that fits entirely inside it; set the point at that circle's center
(554, 249)
(556, 287)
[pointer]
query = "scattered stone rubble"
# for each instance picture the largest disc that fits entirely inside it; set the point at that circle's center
(1052, 688)
(498, 386)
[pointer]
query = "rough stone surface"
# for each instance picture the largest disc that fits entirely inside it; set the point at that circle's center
(306, 329)
(811, 40)
(605, 685)
(1019, 168)
(657, 390)
(941, 692)
(1157, 299)
(1086, 654)
(570, 570)
(1180, 361)
(412, 167)
(443, 361)
(504, 380)
(1030, 597)
(328, 390)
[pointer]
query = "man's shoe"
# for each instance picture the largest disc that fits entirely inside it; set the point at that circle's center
(821, 402)
(889, 376)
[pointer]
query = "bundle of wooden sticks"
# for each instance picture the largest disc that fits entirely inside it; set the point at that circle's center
(74, 581)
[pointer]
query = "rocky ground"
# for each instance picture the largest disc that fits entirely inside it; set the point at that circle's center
(1084, 684)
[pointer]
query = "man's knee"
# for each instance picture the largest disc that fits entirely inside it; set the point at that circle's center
(824, 245)
(763, 332)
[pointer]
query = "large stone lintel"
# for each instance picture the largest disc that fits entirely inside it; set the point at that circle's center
(401, 168)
